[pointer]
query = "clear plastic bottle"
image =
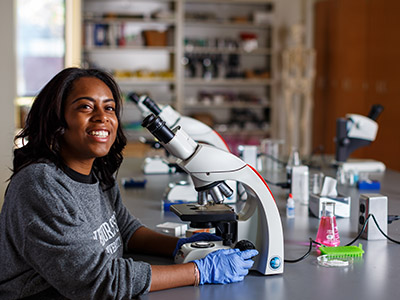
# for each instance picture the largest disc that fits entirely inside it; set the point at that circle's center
(290, 207)
(328, 233)
(294, 160)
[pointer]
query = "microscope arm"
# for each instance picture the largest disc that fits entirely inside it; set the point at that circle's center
(348, 141)
(201, 132)
(210, 165)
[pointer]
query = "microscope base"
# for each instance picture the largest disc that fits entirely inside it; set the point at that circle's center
(157, 165)
(362, 165)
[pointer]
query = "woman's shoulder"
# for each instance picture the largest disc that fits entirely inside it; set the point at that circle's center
(38, 176)
(41, 190)
(38, 170)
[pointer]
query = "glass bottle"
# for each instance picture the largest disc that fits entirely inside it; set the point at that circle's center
(328, 233)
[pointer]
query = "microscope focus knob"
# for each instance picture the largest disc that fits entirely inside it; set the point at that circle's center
(244, 245)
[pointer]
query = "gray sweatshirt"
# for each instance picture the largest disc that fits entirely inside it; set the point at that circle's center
(64, 238)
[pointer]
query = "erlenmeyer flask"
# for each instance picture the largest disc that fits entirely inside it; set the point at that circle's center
(328, 233)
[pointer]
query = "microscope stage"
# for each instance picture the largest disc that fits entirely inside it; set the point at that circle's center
(209, 213)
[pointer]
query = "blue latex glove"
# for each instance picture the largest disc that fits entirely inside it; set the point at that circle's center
(202, 236)
(225, 265)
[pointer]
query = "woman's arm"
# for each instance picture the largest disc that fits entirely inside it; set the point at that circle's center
(166, 277)
(145, 240)
(221, 266)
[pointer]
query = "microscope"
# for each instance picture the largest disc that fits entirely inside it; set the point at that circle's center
(198, 131)
(257, 220)
(353, 132)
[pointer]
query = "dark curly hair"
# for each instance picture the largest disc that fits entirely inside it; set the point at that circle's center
(45, 125)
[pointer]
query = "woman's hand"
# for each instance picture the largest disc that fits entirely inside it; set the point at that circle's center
(225, 265)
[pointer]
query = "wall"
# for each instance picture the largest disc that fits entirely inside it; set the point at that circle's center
(8, 90)
(358, 45)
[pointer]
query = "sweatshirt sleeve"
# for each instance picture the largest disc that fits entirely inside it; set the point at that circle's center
(59, 245)
(127, 223)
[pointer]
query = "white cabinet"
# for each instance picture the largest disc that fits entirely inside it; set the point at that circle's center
(202, 57)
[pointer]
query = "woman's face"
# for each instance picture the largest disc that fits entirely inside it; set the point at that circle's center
(91, 123)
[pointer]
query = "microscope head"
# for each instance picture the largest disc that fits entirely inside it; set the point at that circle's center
(179, 144)
(355, 131)
(210, 210)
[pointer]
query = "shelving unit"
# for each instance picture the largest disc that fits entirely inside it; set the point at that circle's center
(213, 58)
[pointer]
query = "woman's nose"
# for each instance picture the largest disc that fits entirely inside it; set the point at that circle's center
(100, 116)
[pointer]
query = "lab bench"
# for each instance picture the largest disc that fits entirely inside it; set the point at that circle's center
(374, 276)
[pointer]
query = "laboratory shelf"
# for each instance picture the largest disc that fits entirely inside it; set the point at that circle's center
(108, 48)
(229, 82)
(238, 66)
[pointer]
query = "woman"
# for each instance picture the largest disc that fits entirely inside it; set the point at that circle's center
(63, 227)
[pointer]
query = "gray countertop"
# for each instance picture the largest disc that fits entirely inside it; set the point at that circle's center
(375, 276)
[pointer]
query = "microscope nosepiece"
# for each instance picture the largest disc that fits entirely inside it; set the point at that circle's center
(225, 189)
(216, 195)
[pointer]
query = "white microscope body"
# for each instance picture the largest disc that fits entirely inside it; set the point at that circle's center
(197, 130)
(258, 221)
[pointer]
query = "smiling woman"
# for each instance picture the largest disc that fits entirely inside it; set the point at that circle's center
(91, 122)
(55, 119)
(63, 226)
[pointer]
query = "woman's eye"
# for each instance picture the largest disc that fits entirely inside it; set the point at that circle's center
(110, 108)
(85, 106)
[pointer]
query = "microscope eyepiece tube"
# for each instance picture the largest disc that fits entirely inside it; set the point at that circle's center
(375, 111)
(182, 145)
(177, 142)
(158, 128)
(152, 106)
(134, 97)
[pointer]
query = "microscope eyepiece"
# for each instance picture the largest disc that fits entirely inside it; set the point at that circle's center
(158, 128)
(375, 111)
(133, 97)
(152, 106)
(149, 103)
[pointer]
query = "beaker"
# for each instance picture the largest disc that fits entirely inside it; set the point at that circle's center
(328, 233)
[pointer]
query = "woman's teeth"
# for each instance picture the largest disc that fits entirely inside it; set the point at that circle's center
(99, 133)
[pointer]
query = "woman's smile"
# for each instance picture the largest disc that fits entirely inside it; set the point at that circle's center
(99, 133)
